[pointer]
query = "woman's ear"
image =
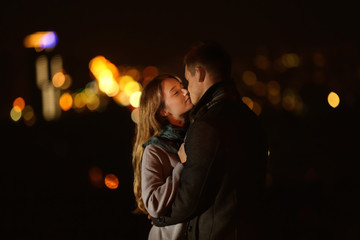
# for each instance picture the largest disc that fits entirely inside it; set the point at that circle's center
(201, 73)
(164, 113)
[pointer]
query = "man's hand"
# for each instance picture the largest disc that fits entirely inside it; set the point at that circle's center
(182, 154)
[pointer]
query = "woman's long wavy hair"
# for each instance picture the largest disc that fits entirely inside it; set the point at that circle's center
(150, 124)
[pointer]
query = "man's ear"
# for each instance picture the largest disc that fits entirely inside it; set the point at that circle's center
(200, 71)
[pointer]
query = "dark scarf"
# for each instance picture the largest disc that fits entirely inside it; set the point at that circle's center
(170, 139)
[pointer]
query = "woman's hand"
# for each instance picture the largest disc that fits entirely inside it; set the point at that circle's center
(182, 154)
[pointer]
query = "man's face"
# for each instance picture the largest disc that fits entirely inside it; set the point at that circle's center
(193, 87)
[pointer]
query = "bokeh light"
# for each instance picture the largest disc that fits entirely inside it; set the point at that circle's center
(19, 104)
(106, 73)
(66, 101)
(96, 176)
(135, 115)
(41, 40)
(58, 79)
(29, 115)
(248, 102)
(290, 60)
(15, 114)
(333, 99)
(249, 78)
(111, 181)
(135, 99)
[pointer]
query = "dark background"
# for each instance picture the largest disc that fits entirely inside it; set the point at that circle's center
(313, 179)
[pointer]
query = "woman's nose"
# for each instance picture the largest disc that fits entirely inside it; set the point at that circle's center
(185, 91)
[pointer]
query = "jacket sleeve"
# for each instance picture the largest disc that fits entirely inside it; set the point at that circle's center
(201, 147)
(158, 190)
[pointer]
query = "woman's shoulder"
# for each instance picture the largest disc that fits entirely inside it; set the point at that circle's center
(154, 154)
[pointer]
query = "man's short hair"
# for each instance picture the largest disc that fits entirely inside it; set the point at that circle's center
(212, 57)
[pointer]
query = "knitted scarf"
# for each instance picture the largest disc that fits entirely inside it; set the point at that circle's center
(170, 139)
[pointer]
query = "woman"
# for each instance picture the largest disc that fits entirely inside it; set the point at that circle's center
(164, 105)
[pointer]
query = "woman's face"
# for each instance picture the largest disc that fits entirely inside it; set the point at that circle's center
(176, 99)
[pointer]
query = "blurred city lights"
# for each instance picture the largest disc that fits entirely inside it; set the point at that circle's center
(111, 181)
(106, 73)
(41, 40)
(333, 99)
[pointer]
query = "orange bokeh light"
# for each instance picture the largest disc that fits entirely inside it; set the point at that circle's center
(19, 104)
(66, 101)
(111, 181)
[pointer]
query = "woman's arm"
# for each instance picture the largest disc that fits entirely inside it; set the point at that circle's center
(198, 178)
(158, 190)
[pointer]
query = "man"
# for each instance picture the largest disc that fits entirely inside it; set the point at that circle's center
(223, 178)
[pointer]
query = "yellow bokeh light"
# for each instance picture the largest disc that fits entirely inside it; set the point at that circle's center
(248, 102)
(257, 108)
(28, 113)
(290, 60)
(333, 99)
(289, 100)
(92, 102)
(132, 87)
(135, 115)
(273, 88)
(66, 101)
(15, 115)
(58, 79)
(105, 73)
(135, 99)
(124, 80)
(122, 98)
(249, 78)
(67, 82)
(80, 100)
(111, 181)
(134, 73)
(108, 86)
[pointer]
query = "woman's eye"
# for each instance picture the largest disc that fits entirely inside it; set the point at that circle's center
(176, 93)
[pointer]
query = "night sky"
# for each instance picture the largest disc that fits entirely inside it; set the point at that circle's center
(313, 177)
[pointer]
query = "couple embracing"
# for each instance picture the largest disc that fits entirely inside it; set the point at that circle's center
(200, 153)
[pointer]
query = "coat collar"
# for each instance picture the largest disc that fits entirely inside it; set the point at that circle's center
(215, 94)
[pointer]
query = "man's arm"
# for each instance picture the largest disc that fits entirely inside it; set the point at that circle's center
(201, 146)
